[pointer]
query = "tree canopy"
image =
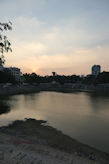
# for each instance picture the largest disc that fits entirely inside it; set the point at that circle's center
(5, 44)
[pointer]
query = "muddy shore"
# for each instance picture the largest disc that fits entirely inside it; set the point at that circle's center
(36, 138)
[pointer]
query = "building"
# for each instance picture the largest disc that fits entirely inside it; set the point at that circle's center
(1, 68)
(1, 65)
(15, 72)
(54, 73)
(96, 69)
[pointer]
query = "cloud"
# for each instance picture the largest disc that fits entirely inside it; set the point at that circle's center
(69, 38)
(32, 48)
(79, 62)
(29, 22)
(46, 48)
(14, 8)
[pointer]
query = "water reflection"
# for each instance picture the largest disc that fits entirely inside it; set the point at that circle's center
(83, 116)
(99, 102)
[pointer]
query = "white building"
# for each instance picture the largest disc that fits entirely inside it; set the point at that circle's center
(15, 72)
(96, 69)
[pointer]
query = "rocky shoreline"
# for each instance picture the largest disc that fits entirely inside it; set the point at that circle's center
(24, 89)
(35, 142)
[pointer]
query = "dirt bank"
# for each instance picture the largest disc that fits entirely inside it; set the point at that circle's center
(35, 141)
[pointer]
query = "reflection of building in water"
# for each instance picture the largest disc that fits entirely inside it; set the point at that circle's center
(96, 69)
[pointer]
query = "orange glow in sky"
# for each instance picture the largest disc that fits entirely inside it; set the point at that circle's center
(67, 37)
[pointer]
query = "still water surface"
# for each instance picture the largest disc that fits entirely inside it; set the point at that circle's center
(83, 116)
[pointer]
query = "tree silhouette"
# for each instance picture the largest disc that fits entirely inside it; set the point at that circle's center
(5, 44)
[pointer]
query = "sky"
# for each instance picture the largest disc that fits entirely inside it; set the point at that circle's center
(65, 36)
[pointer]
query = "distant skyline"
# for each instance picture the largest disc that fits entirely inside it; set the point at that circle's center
(65, 36)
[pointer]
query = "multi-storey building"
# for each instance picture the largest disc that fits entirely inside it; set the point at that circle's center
(15, 72)
(96, 69)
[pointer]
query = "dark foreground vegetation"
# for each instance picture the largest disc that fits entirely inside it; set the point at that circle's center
(89, 79)
(7, 77)
(4, 107)
(34, 78)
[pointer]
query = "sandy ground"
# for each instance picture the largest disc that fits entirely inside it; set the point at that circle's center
(31, 142)
(15, 150)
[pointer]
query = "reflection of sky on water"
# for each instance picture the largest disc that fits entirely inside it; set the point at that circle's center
(81, 115)
(99, 104)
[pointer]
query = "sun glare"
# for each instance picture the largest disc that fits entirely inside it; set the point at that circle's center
(34, 70)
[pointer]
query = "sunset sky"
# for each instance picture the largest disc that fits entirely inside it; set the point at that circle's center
(66, 36)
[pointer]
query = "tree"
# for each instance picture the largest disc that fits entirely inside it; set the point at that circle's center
(7, 77)
(5, 44)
